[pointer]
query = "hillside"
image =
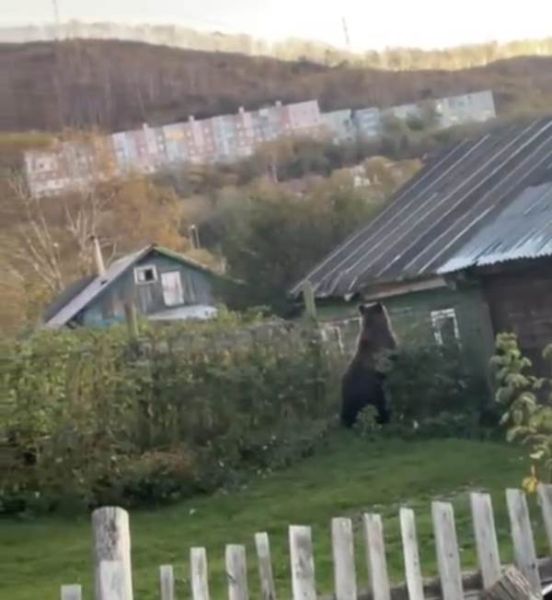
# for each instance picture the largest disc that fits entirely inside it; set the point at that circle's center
(178, 36)
(118, 85)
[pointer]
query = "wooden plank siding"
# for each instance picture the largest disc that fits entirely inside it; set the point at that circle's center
(108, 307)
(411, 319)
(520, 301)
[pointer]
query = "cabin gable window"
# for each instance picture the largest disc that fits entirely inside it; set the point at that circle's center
(145, 274)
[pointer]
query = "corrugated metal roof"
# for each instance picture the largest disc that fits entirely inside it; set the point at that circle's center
(522, 230)
(435, 213)
(99, 284)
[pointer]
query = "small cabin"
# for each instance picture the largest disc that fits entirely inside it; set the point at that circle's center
(162, 285)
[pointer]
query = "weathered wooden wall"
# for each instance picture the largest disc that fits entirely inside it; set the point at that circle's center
(520, 301)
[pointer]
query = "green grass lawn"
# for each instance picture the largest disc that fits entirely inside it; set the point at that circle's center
(347, 478)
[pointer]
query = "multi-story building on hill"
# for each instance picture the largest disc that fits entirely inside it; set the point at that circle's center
(368, 122)
(225, 138)
(456, 110)
(339, 125)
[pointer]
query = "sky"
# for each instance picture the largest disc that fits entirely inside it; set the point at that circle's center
(371, 23)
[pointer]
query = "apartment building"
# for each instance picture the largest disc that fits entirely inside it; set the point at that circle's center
(224, 138)
(339, 125)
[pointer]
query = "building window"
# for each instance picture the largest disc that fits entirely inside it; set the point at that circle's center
(145, 274)
(445, 326)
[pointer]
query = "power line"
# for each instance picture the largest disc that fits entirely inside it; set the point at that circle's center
(56, 19)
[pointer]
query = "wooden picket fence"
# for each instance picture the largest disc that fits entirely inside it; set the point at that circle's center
(113, 573)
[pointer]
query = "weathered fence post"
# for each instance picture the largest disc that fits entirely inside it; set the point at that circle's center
(412, 567)
(112, 584)
(345, 585)
(166, 582)
(236, 572)
(377, 562)
(110, 528)
(446, 545)
(545, 499)
(522, 536)
(262, 544)
(131, 320)
(302, 563)
(199, 574)
(485, 538)
(71, 592)
(309, 300)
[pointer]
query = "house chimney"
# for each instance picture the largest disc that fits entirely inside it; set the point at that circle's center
(194, 236)
(98, 258)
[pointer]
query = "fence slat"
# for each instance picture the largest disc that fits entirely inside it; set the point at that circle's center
(377, 563)
(166, 582)
(71, 592)
(485, 538)
(302, 563)
(545, 499)
(344, 559)
(236, 572)
(110, 527)
(446, 545)
(412, 567)
(522, 537)
(199, 574)
(262, 544)
(112, 580)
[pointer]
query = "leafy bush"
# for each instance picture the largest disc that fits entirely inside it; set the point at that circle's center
(366, 424)
(526, 401)
(433, 393)
(427, 381)
(89, 417)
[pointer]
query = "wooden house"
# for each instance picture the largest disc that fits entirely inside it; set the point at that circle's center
(463, 250)
(159, 283)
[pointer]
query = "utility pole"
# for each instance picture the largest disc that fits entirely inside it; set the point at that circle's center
(56, 20)
(194, 236)
(58, 70)
(346, 33)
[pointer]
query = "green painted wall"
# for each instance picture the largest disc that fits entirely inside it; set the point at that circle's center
(411, 317)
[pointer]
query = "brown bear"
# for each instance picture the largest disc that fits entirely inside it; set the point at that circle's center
(363, 382)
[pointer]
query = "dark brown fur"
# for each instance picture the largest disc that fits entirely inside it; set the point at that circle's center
(363, 382)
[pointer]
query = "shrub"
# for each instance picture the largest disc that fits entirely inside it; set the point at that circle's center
(154, 476)
(428, 380)
(90, 418)
(526, 401)
(432, 393)
(366, 424)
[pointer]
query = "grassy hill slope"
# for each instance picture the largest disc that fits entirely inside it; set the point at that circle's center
(118, 85)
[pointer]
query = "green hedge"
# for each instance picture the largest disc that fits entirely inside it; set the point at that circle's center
(433, 392)
(89, 417)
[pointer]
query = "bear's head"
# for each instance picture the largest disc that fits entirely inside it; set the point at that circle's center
(376, 334)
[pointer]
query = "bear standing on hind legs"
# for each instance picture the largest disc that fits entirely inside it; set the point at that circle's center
(363, 382)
